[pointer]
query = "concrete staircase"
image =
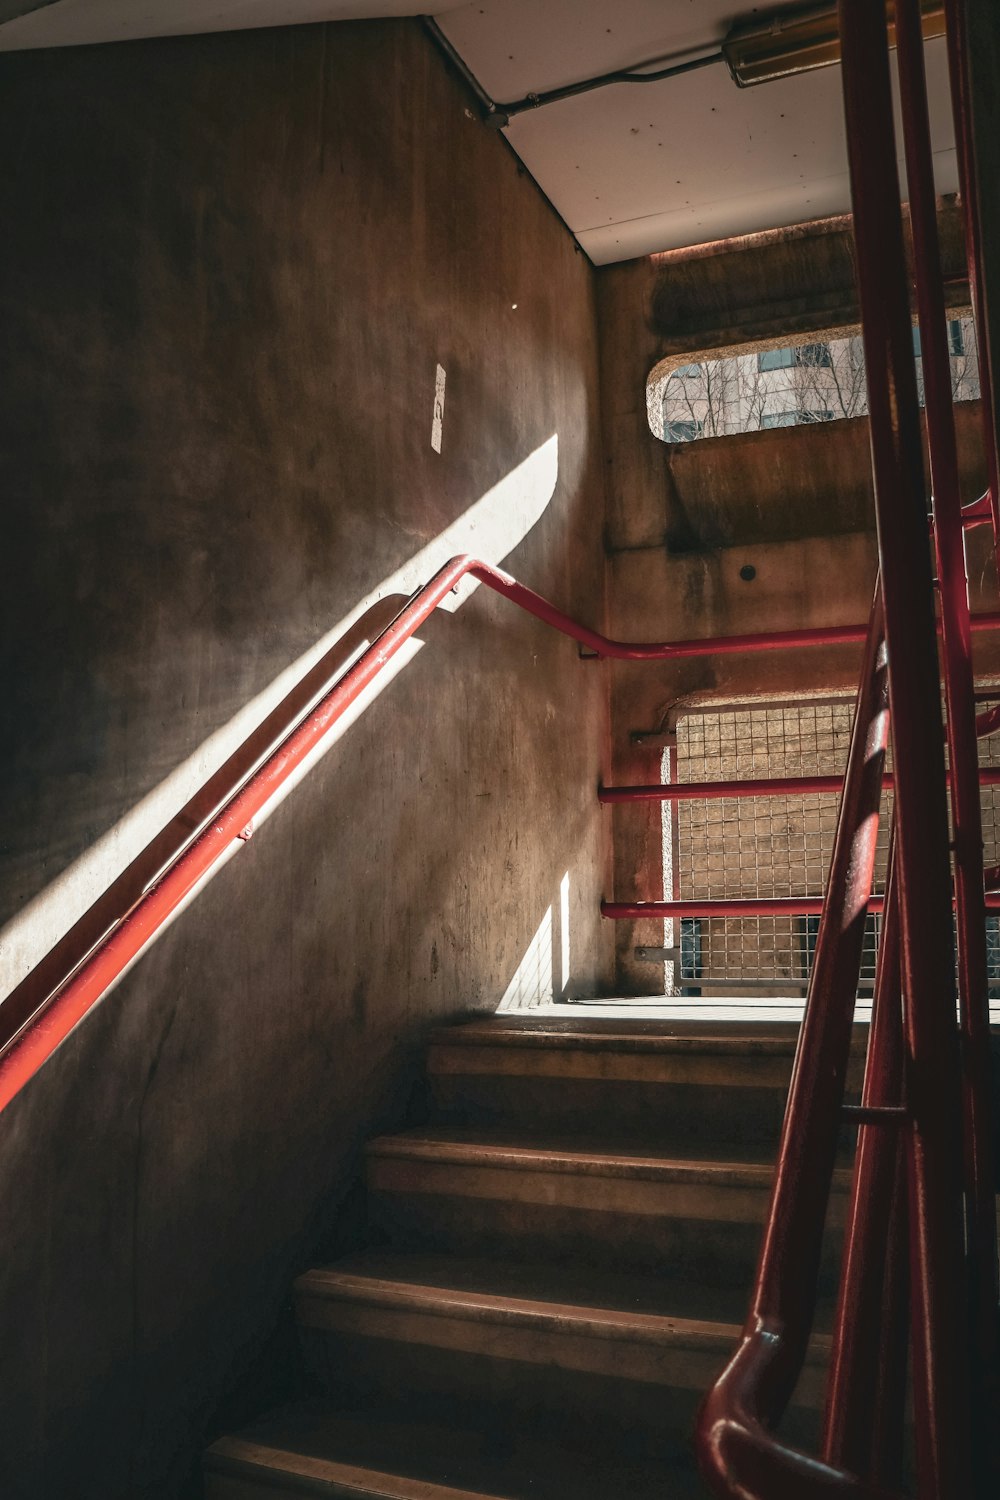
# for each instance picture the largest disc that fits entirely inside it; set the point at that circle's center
(556, 1270)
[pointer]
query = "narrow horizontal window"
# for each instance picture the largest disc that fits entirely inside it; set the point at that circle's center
(751, 391)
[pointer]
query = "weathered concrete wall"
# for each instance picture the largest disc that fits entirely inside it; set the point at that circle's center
(683, 520)
(230, 268)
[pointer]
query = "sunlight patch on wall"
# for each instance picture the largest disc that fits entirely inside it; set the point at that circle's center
(531, 984)
(564, 932)
(543, 976)
(490, 529)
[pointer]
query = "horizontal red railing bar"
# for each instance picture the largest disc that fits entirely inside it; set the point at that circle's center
(777, 786)
(750, 906)
(719, 645)
(737, 906)
(875, 1114)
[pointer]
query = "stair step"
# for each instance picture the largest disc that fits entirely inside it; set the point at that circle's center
(479, 1191)
(380, 1323)
(242, 1470)
(563, 1047)
(714, 1082)
(379, 1451)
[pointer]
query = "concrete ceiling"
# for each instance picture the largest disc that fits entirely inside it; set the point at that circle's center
(68, 23)
(639, 168)
(631, 168)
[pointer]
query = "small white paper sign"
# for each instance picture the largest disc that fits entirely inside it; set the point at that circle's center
(437, 422)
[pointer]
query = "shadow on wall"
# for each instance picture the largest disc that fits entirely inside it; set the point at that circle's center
(490, 529)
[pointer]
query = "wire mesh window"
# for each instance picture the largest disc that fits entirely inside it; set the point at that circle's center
(776, 846)
(760, 846)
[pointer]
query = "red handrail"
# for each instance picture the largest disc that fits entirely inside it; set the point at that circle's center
(32, 1037)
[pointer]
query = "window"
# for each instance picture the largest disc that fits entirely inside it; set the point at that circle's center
(956, 339)
(774, 846)
(690, 965)
(794, 418)
(735, 391)
(809, 356)
(776, 359)
(992, 953)
(682, 431)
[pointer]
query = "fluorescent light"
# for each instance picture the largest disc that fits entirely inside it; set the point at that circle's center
(799, 40)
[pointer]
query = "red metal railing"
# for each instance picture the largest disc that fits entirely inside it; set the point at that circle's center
(966, 816)
(918, 1245)
(41, 1011)
(918, 1178)
(34, 1021)
(957, 42)
(38, 1015)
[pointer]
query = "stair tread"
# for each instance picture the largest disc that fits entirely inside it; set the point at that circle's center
(503, 1146)
(595, 1303)
(615, 1036)
(383, 1449)
(551, 1282)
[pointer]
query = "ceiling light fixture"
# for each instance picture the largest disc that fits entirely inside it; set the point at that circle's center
(798, 41)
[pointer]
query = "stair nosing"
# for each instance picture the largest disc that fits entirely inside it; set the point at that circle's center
(556, 1317)
(241, 1457)
(517, 1158)
(621, 1042)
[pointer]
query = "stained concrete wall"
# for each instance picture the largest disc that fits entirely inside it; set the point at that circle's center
(230, 269)
(685, 519)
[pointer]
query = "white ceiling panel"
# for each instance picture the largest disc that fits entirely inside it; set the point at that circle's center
(526, 45)
(639, 168)
(631, 168)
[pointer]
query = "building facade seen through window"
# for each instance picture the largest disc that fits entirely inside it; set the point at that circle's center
(787, 387)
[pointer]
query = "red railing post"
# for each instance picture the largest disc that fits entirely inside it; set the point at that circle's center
(922, 841)
(859, 1430)
(738, 1455)
(956, 640)
(968, 180)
